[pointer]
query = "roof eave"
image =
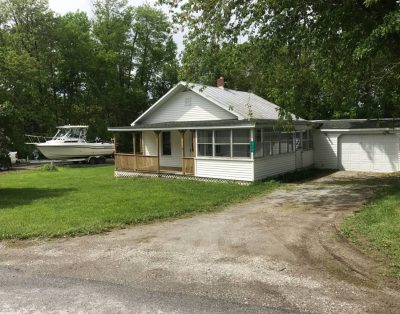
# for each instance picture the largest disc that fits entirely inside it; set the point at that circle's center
(360, 130)
(216, 124)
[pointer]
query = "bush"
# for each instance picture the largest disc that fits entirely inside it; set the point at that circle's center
(49, 167)
(5, 161)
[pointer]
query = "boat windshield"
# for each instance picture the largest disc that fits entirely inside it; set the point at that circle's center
(73, 134)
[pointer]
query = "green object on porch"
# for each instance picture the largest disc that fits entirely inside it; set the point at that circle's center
(252, 146)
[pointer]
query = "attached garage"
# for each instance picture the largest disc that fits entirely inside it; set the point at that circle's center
(369, 152)
(358, 145)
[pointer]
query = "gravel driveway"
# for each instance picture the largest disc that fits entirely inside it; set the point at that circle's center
(276, 253)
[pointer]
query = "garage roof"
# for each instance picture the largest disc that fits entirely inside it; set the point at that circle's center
(358, 124)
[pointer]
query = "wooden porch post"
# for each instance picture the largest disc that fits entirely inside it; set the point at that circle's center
(134, 142)
(157, 133)
(194, 146)
(183, 149)
(141, 144)
(134, 151)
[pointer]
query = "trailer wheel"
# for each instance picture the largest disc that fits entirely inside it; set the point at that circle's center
(101, 160)
(92, 160)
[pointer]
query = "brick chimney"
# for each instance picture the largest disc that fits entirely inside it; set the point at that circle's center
(221, 82)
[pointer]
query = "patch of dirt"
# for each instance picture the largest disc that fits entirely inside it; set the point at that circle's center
(19, 243)
(281, 250)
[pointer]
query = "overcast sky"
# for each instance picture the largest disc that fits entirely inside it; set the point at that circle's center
(64, 6)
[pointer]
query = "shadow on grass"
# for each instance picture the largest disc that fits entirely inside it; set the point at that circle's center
(377, 180)
(369, 180)
(303, 175)
(13, 197)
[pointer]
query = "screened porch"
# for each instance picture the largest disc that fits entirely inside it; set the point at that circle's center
(156, 152)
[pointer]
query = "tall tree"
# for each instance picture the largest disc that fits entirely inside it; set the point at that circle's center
(75, 69)
(27, 55)
(137, 58)
(70, 69)
(320, 59)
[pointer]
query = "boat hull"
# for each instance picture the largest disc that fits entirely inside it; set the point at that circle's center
(75, 150)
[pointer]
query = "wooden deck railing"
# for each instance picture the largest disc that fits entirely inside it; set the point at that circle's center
(147, 163)
(125, 161)
(188, 165)
(136, 162)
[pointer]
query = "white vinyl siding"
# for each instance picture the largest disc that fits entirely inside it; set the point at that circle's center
(274, 165)
(241, 170)
(187, 106)
(369, 152)
(149, 143)
(326, 150)
(308, 158)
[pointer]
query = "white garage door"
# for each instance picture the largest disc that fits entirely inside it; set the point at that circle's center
(373, 152)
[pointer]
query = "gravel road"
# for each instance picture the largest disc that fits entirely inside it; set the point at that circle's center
(276, 253)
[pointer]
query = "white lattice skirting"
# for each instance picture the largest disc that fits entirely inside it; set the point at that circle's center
(130, 174)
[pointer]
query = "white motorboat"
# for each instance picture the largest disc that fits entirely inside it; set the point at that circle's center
(70, 142)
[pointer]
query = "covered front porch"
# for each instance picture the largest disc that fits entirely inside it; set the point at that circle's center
(157, 152)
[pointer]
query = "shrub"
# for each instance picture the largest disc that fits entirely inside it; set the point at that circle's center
(49, 167)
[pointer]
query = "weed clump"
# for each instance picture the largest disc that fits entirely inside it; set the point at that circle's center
(49, 167)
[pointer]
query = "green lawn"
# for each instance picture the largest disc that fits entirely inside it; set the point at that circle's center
(377, 225)
(73, 201)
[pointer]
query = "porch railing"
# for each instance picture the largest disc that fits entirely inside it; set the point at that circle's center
(148, 163)
(125, 161)
(136, 162)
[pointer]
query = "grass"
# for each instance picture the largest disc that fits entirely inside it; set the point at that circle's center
(377, 225)
(85, 200)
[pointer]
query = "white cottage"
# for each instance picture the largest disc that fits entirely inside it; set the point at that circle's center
(217, 133)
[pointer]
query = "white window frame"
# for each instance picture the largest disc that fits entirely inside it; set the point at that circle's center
(215, 144)
(241, 143)
(231, 157)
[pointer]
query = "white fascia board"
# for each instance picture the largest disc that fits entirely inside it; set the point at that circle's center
(184, 128)
(158, 102)
(359, 130)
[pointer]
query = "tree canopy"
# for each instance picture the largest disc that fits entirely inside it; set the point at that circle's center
(70, 69)
(318, 59)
